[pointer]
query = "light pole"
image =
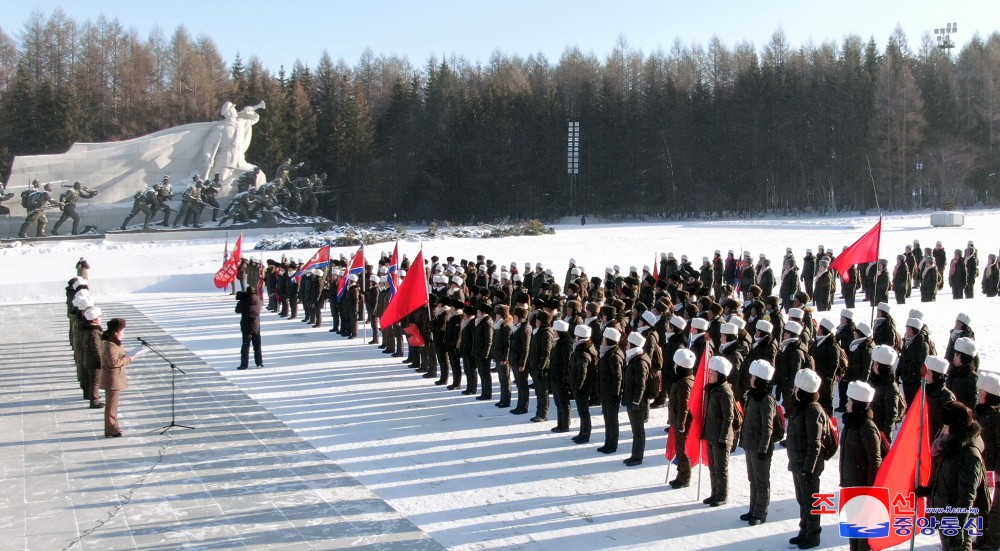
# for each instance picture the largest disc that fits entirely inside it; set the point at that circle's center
(944, 37)
(573, 161)
(918, 191)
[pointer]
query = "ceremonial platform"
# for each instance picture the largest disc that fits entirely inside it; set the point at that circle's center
(240, 480)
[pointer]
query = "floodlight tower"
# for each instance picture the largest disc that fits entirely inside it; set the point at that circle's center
(944, 37)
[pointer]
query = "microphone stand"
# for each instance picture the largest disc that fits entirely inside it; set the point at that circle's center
(173, 389)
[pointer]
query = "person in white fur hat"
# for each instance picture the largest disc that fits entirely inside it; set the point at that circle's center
(582, 378)
(679, 415)
(826, 353)
(719, 412)
(935, 374)
(964, 371)
(762, 427)
(609, 368)
(791, 358)
(634, 395)
(698, 342)
(888, 406)
(806, 424)
(734, 350)
(963, 328)
(90, 354)
(860, 443)
(911, 358)
(859, 357)
(675, 339)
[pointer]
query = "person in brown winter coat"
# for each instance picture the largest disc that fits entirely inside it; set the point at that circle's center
(806, 424)
(634, 378)
(757, 438)
(90, 340)
(114, 377)
(679, 415)
(935, 374)
(860, 445)
(718, 433)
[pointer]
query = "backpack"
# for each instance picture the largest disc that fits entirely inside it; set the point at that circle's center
(737, 424)
(36, 200)
(26, 197)
(830, 442)
(777, 425)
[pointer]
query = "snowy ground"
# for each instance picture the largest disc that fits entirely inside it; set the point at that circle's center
(472, 475)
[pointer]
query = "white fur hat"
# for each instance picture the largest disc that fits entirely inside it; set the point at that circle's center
(495, 276)
(458, 281)
(720, 364)
(794, 328)
(609, 271)
(739, 322)
(645, 268)
(937, 365)
(808, 380)
(860, 392)
(847, 314)
(516, 277)
(575, 271)
(915, 323)
(765, 326)
(582, 331)
(632, 268)
(965, 345)
(612, 334)
(636, 339)
(863, 329)
(572, 261)
(372, 279)
(964, 318)
(884, 307)
(827, 323)
(700, 324)
(352, 277)
(650, 318)
(684, 358)
(548, 271)
(678, 322)
(990, 382)
(795, 313)
(762, 369)
(728, 329)
(92, 313)
(561, 326)
(914, 313)
(884, 355)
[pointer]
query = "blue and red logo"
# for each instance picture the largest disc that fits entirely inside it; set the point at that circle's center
(864, 512)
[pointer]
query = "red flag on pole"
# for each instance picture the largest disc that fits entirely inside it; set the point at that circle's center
(656, 268)
(898, 471)
(230, 267)
(863, 250)
(695, 448)
(412, 293)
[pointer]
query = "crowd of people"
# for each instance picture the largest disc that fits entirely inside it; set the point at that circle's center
(638, 338)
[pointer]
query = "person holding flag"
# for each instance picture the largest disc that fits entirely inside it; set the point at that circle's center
(720, 409)
(679, 414)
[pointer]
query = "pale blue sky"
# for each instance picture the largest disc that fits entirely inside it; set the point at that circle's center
(281, 32)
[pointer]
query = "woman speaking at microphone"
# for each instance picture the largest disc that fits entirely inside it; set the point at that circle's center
(114, 378)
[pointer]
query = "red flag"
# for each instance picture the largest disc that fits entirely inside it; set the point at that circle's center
(230, 267)
(898, 471)
(656, 268)
(695, 448)
(671, 452)
(412, 293)
(863, 250)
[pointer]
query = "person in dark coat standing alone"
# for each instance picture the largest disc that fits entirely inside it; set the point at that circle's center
(248, 306)
(956, 276)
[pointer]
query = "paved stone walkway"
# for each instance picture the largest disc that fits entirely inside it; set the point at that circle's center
(241, 479)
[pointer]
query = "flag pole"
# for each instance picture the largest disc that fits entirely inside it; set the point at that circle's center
(667, 479)
(427, 303)
(920, 445)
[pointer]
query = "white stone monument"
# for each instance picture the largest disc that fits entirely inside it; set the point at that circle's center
(117, 170)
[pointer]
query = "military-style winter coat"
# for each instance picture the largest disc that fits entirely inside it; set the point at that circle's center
(539, 351)
(937, 396)
(962, 382)
(885, 404)
(482, 338)
(884, 332)
(520, 341)
(859, 360)
(791, 358)
(90, 339)
(559, 361)
(758, 422)
(911, 360)
(736, 352)
(634, 380)
(988, 417)
(501, 342)
(610, 368)
(958, 473)
(678, 414)
(719, 412)
(826, 355)
(582, 370)
(860, 449)
(804, 437)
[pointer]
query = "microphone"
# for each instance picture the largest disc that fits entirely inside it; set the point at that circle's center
(140, 339)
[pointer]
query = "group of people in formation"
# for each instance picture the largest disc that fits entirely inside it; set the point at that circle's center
(101, 361)
(776, 371)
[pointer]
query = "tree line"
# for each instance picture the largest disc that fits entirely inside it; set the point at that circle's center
(693, 131)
